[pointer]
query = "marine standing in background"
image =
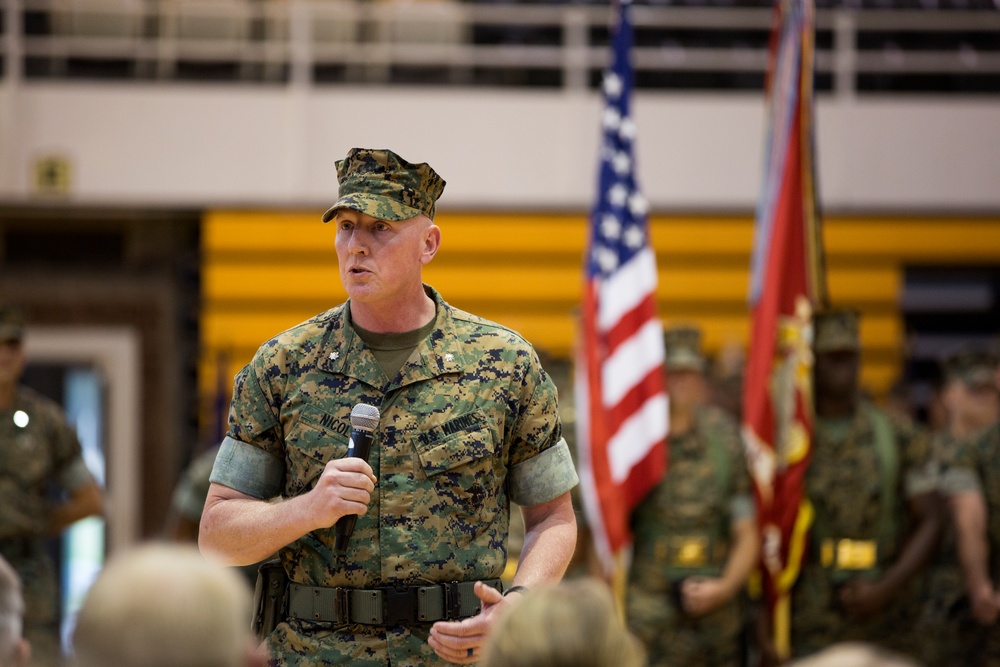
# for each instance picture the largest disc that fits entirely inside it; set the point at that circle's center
(468, 424)
(695, 534)
(971, 481)
(877, 512)
(188, 501)
(44, 487)
(948, 632)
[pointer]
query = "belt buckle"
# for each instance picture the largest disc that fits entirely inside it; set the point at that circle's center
(856, 554)
(452, 601)
(689, 551)
(399, 605)
(341, 609)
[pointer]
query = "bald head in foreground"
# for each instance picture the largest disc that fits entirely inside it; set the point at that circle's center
(166, 606)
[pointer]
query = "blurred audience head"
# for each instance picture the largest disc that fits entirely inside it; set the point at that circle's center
(165, 605)
(14, 649)
(851, 654)
(571, 624)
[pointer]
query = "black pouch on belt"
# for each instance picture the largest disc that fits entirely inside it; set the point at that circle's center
(270, 598)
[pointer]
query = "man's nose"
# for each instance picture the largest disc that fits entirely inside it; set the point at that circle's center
(357, 243)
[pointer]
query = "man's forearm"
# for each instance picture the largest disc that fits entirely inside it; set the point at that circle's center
(549, 542)
(743, 555)
(83, 502)
(969, 511)
(245, 530)
(928, 513)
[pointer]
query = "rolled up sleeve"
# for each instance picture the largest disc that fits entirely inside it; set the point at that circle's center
(248, 469)
(543, 477)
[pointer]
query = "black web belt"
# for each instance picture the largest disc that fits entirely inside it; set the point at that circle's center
(20, 548)
(399, 605)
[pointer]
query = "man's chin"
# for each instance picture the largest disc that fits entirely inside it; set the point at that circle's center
(361, 290)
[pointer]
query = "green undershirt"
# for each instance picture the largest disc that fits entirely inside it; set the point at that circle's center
(391, 350)
(837, 428)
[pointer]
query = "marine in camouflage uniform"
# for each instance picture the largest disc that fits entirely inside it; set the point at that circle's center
(971, 480)
(877, 515)
(468, 424)
(695, 529)
(948, 634)
(40, 464)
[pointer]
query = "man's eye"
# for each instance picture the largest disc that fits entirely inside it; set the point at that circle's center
(381, 227)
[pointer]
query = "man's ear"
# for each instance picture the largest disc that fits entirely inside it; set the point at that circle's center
(432, 242)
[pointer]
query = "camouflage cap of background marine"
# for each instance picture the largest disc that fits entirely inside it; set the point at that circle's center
(11, 323)
(974, 367)
(682, 349)
(836, 329)
(385, 186)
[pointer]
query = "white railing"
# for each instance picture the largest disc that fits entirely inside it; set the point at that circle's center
(287, 41)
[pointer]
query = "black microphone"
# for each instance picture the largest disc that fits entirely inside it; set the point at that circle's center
(364, 419)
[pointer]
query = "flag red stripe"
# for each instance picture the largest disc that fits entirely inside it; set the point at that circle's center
(650, 385)
(631, 322)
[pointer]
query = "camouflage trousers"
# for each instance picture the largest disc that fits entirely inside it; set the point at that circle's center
(673, 639)
(945, 631)
(36, 570)
(818, 622)
(297, 643)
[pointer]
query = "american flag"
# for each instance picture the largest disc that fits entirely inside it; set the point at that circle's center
(622, 416)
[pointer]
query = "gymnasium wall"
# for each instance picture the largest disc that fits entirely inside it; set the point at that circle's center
(266, 271)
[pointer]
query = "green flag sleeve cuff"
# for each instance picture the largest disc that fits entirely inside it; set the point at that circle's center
(959, 480)
(742, 507)
(75, 475)
(543, 477)
(920, 481)
(248, 469)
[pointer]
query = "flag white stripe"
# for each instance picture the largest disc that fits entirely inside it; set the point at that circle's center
(647, 427)
(631, 362)
(626, 288)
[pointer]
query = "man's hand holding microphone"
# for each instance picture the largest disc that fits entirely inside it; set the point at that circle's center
(344, 489)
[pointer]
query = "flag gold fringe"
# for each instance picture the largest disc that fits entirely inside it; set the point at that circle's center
(782, 607)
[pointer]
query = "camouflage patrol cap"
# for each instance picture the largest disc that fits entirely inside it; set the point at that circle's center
(836, 329)
(385, 186)
(682, 347)
(976, 368)
(11, 323)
